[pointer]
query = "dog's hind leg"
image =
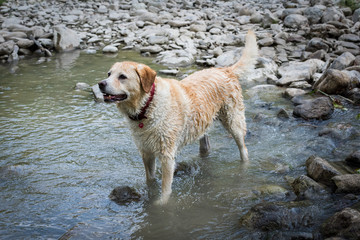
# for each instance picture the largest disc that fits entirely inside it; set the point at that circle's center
(204, 145)
(234, 122)
(150, 166)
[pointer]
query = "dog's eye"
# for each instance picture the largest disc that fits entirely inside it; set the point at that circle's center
(122, 76)
(109, 73)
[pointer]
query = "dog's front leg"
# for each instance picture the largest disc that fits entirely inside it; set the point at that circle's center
(150, 166)
(168, 168)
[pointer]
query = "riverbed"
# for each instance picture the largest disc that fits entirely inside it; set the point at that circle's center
(61, 154)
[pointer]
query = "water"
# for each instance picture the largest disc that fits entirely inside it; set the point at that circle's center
(61, 154)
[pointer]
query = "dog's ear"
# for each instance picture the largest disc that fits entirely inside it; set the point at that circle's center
(147, 76)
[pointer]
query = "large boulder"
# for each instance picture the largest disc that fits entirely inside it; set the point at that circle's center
(307, 188)
(347, 183)
(319, 108)
(344, 224)
(7, 47)
(343, 61)
(333, 82)
(321, 171)
(65, 39)
(298, 71)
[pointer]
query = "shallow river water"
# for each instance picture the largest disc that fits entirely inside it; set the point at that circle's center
(61, 154)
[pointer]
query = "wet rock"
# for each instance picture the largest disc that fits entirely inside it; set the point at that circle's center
(293, 92)
(124, 194)
(298, 71)
(283, 114)
(110, 49)
(14, 55)
(339, 130)
(82, 86)
(272, 216)
(185, 168)
(295, 21)
(306, 188)
(65, 39)
(99, 96)
(321, 171)
(354, 158)
(319, 108)
(333, 82)
(344, 224)
(347, 183)
(343, 61)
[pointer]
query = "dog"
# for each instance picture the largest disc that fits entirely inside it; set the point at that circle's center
(166, 114)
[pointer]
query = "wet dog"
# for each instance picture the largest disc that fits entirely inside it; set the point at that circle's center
(166, 114)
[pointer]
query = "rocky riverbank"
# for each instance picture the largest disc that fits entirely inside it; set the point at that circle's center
(305, 47)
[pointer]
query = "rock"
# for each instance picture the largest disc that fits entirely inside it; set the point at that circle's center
(266, 42)
(169, 71)
(7, 47)
(175, 58)
(356, 15)
(319, 54)
(157, 40)
(14, 55)
(124, 194)
(110, 49)
(228, 58)
(347, 183)
(321, 171)
(313, 14)
(343, 61)
(333, 82)
(339, 131)
(185, 168)
(102, 9)
(298, 71)
(317, 44)
(198, 27)
(293, 92)
(82, 86)
(271, 216)
(283, 114)
(306, 188)
(320, 108)
(178, 23)
(344, 224)
(151, 49)
(268, 19)
(65, 39)
(354, 158)
(332, 14)
(295, 21)
(349, 38)
(25, 43)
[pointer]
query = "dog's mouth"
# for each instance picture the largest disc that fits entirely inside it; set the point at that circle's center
(114, 98)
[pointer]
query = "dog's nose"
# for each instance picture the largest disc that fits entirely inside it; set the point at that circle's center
(102, 85)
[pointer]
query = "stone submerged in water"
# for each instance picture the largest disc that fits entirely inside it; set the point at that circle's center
(321, 171)
(320, 108)
(124, 194)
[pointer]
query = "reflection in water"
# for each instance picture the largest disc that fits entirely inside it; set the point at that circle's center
(61, 154)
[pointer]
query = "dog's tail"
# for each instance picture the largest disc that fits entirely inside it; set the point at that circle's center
(248, 57)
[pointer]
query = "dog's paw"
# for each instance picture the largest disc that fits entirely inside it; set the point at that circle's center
(162, 201)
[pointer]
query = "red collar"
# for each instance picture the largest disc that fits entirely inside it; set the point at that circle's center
(141, 115)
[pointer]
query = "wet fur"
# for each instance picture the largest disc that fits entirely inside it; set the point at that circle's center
(181, 111)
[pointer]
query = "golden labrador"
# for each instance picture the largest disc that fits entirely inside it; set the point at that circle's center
(166, 114)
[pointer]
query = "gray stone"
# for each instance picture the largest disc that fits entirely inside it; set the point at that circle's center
(14, 55)
(102, 9)
(343, 61)
(306, 188)
(157, 40)
(269, 18)
(110, 49)
(175, 58)
(46, 42)
(320, 108)
(7, 47)
(347, 183)
(293, 92)
(178, 23)
(144, 15)
(25, 43)
(270, 216)
(228, 58)
(295, 21)
(65, 39)
(356, 15)
(268, 41)
(314, 14)
(124, 194)
(344, 224)
(99, 96)
(332, 14)
(94, 39)
(299, 71)
(256, 18)
(350, 37)
(151, 49)
(317, 44)
(321, 171)
(333, 82)
(82, 86)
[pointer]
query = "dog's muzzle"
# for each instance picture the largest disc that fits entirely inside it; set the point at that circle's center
(110, 97)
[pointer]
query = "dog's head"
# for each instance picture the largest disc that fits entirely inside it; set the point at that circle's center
(127, 81)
